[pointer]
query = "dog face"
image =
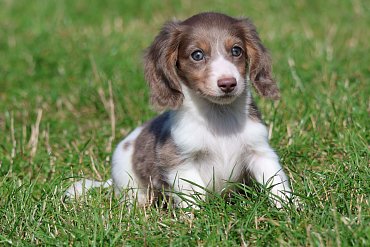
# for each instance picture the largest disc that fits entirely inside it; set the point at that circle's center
(211, 60)
(210, 54)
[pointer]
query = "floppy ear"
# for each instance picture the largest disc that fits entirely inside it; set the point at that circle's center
(259, 62)
(160, 68)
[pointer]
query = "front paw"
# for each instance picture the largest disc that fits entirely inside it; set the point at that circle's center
(286, 199)
(280, 197)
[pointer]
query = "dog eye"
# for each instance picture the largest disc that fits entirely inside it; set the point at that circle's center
(197, 55)
(236, 51)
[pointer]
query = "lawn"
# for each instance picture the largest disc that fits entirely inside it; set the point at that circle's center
(72, 86)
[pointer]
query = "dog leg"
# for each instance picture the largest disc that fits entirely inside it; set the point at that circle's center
(187, 185)
(266, 170)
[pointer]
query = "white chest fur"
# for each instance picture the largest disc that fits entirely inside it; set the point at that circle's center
(220, 145)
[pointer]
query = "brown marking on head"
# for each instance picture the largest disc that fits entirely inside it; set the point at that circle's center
(202, 35)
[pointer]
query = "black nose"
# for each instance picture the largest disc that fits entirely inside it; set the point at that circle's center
(227, 85)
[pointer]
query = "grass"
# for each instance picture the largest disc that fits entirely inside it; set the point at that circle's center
(59, 119)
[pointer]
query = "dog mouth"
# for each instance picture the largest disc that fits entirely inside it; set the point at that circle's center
(219, 97)
(223, 99)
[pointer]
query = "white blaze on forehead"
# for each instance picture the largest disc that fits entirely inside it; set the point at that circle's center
(223, 68)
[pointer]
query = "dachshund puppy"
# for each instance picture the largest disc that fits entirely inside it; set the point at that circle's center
(212, 133)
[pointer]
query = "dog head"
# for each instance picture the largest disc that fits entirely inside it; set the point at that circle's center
(211, 54)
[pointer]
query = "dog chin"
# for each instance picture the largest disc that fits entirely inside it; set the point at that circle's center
(221, 99)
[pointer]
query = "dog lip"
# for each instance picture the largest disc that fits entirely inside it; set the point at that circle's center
(226, 95)
(226, 98)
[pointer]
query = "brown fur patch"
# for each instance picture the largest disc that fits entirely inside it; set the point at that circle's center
(155, 152)
(260, 71)
(160, 69)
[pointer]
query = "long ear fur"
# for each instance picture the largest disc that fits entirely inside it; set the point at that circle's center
(160, 68)
(259, 62)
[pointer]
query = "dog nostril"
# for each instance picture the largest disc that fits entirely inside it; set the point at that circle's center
(227, 85)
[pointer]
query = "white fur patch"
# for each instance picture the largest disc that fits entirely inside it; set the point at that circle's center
(122, 170)
(221, 146)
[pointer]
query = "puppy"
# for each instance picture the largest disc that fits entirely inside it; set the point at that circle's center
(212, 132)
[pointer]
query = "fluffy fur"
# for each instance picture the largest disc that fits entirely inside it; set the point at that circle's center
(212, 132)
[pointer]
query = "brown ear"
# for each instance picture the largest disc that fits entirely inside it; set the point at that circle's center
(259, 62)
(160, 68)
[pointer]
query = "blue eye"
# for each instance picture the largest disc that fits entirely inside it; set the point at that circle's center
(197, 55)
(236, 51)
